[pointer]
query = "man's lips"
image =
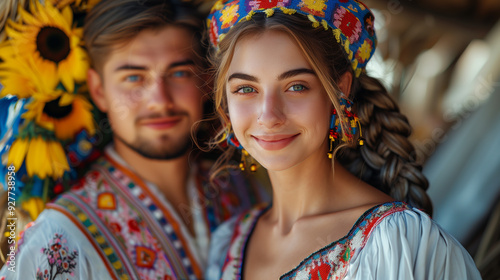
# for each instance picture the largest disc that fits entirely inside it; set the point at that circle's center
(274, 142)
(161, 123)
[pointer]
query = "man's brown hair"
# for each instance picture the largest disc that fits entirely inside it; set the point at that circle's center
(113, 23)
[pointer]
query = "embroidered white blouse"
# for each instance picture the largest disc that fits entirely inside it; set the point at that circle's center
(390, 241)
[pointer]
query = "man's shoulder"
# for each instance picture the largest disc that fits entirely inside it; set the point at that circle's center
(93, 181)
(53, 242)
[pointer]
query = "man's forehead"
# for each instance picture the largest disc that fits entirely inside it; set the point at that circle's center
(164, 46)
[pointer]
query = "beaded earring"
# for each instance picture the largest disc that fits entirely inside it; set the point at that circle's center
(335, 128)
(245, 157)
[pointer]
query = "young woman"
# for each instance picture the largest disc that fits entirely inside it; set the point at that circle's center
(292, 91)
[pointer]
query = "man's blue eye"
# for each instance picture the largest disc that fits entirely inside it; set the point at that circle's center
(180, 74)
(133, 78)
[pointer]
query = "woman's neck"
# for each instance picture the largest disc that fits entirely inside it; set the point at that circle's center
(305, 190)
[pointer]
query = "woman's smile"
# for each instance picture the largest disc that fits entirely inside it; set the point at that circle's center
(274, 142)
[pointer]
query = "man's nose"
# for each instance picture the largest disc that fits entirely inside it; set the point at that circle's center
(160, 95)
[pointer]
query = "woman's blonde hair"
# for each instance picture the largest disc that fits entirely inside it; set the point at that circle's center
(386, 161)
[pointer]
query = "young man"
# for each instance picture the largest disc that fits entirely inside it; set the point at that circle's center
(145, 210)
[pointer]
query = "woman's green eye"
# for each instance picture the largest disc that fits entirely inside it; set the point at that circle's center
(246, 90)
(297, 88)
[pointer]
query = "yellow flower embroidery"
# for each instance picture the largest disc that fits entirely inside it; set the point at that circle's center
(364, 51)
(314, 7)
(229, 14)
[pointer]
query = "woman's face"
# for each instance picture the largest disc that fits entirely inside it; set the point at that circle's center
(278, 108)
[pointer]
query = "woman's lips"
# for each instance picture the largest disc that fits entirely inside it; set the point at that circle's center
(161, 123)
(274, 142)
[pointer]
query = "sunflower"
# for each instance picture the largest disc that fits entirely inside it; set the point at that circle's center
(64, 113)
(46, 34)
(43, 158)
(20, 76)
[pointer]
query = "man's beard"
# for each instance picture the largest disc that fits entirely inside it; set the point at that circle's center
(165, 152)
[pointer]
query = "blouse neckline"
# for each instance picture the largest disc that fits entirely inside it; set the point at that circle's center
(364, 222)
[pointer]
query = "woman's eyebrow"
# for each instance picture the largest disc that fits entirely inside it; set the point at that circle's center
(295, 72)
(285, 75)
(242, 76)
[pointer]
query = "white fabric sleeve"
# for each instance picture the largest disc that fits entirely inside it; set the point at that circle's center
(42, 252)
(219, 246)
(409, 245)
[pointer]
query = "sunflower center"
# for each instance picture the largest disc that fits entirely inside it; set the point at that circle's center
(53, 44)
(53, 110)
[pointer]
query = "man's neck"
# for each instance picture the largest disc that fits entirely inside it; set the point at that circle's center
(169, 176)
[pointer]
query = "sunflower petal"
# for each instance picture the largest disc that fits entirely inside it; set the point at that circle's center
(6, 50)
(91, 4)
(28, 18)
(78, 32)
(75, 66)
(80, 118)
(53, 15)
(43, 75)
(16, 84)
(66, 77)
(46, 122)
(67, 14)
(58, 159)
(66, 99)
(36, 159)
(42, 14)
(17, 153)
(14, 30)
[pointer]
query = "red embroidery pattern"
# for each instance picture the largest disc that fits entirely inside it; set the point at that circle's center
(59, 258)
(266, 4)
(348, 23)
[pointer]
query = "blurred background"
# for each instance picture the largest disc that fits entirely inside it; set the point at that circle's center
(441, 61)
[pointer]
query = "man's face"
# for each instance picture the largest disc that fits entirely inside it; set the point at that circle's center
(150, 90)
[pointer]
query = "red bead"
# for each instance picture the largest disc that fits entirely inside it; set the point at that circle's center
(58, 189)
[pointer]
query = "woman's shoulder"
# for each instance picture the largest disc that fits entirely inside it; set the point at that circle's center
(396, 220)
(390, 241)
(398, 239)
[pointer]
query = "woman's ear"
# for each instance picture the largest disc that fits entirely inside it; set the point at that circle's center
(96, 90)
(345, 83)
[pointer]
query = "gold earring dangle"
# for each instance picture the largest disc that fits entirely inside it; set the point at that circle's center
(245, 157)
(335, 129)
